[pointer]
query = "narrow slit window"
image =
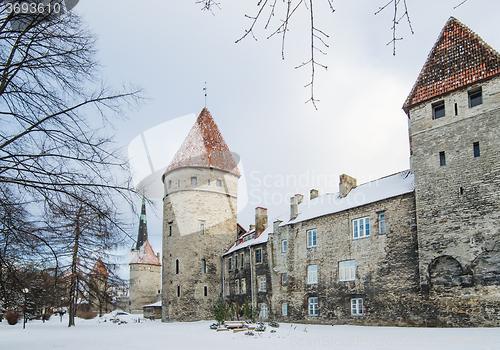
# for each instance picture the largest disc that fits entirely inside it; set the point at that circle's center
(204, 266)
(477, 153)
(178, 291)
(438, 110)
(442, 159)
(205, 291)
(456, 109)
(219, 182)
(177, 266)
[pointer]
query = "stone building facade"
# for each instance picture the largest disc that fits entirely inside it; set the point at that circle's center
(420, 247)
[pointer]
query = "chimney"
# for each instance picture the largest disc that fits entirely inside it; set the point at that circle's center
(294, 207)
(300, 198)
(260, 220)
(313, 194)
(276, 224)
(346, 184)
(252, 227)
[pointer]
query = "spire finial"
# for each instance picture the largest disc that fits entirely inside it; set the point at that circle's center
(205, 89)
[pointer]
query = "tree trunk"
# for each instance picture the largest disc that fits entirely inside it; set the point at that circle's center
(74, 274)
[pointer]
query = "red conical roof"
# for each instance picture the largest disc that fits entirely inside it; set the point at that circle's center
(99, 268)
(205, 147)
(459, 58)
(146, 256)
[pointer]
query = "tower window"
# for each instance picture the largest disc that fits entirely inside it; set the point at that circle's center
(475, 98)
(177, 266)
(170, 229)
(169, 183)
(205, 291)
(442, 159)
(230, 264)
(194, 180)
(202, 227)
(178, 291)
(456, 109)
(204, 266)
(477, 153)
(219, 182)
(208, 182)
(178, 183)
(438, 110)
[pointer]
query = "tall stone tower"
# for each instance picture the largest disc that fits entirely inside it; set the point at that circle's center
(199, 221)
(145, 269)
(454, 113)
(99, 299)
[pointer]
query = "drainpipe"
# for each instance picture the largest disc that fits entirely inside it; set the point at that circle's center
(251, 275)
(223, 274)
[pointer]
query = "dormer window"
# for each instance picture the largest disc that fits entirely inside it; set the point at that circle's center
(475, 97)
(438, 110)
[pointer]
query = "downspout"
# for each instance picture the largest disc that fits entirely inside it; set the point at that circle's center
(251, 275)
(223, 283)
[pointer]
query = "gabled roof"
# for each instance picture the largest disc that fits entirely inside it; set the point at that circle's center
(99, 268)
(459, 58)
(370, 192)
(145, 256)
(262, 238)
(205, 147)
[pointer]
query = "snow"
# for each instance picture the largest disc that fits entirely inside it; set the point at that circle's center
(374, 191)
(96, 334)
(263, 237)
(157, 304)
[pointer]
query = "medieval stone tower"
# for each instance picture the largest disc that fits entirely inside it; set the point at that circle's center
(454, 113)
(145, 269)
(199, 221)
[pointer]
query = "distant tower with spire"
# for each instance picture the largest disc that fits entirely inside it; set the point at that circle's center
(199, 221)
(145, 269)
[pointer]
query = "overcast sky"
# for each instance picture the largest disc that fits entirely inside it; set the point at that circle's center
(171, 48)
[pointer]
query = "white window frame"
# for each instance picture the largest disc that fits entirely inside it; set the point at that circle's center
(357, 307)
(284, 246)
(284, 309)
(361, 228)
(313, 306)
(312, 274)
(260, 254)
(312, 238)
(237, 286)
(262, 283)
(243, 286)
(347, 270)
(263, 311)
(382, 226)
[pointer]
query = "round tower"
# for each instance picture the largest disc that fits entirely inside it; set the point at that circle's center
(199, 221)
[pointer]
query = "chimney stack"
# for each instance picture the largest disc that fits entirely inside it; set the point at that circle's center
(276, 224)
(294, 207)
(300, 198)
(346, 184)
(252, 227)
(313, 194)
(260, 220)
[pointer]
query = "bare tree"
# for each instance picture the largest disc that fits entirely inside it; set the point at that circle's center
(284, 10)
(54, 153)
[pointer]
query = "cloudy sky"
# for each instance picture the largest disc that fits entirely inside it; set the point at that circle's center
(171, 48)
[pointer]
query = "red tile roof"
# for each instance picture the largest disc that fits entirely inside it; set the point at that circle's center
(99, 268)
(145, 256)
(205, 147)
(459, 58)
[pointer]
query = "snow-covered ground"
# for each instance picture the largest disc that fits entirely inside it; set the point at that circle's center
(150, 335)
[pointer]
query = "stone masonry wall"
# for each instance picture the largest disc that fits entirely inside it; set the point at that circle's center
(386, 266)
(189, 292)
(458, 206)
(145, 283)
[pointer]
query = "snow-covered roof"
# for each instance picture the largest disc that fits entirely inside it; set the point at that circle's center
(157, 304)
(263, 237)
(370, 192)
(145, 256)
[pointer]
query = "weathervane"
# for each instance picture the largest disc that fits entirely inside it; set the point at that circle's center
(205, 89)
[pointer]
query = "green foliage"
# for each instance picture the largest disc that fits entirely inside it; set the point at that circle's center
(220, 310)
(249, 312)
(274, 324)
(261, 327)
(214, 326)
